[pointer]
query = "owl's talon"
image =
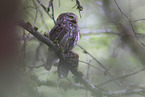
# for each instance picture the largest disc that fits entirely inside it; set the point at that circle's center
(46, 34)
(60, 49)
(55, 41)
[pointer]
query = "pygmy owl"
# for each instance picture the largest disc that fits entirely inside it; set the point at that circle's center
(65, 33)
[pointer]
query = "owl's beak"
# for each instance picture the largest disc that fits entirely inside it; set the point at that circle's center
(74, 21)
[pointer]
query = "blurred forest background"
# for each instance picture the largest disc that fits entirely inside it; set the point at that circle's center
(112, 34)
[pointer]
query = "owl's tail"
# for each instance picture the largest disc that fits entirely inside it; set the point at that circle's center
(71, 62)
(51, 59)
(63, 69)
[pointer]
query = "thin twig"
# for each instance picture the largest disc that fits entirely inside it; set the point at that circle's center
(41, 14)
(48, 9)
(88, 85)
(36, 57)
(35, 66)
(51, 5)
(79, 7)
(127, 92)
(87, 73)
(130, 24)
(92, 65)
(76, 86)
(106, 70)
(121, 77)
(138, 20)
(59, 3)
(93, 57)
(24, 44)
(42, 19)
(37, 13)
(125, 16)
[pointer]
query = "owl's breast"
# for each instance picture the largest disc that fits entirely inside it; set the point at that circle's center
(70, 39)
(66, 35)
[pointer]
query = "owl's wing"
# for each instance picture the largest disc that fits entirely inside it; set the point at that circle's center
(57, 32)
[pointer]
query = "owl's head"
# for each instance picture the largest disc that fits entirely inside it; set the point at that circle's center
(67, 17)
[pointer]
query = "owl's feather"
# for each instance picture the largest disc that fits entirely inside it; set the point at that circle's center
(62, 69)
(66, 34)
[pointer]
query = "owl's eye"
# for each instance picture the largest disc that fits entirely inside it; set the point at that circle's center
(71, 17)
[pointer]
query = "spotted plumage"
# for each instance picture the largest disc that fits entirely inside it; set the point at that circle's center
(65, 33)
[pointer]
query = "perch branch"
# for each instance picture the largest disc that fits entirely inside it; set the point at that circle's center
(48, 42)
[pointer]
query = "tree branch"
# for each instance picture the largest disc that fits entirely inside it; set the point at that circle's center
(48, 42)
